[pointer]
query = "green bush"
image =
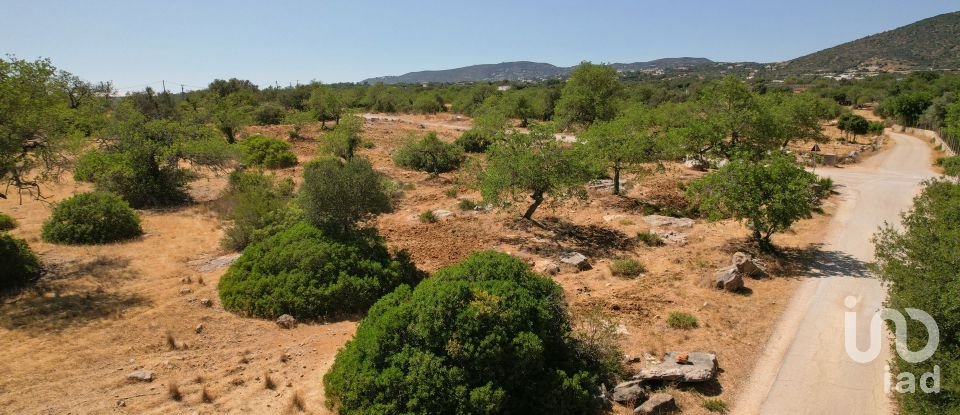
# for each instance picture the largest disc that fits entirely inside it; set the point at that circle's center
(19, 264)
(715, 405)
(6, 222)
(467, 204)
(255, 203)
(683, 321)
(951, 166)
(427, 216)
(650, 238)
(336, 194)
(429, 154)
(135, 176)
(270, 113)
(627, 267)
(919, 261)
(473, 141)
(484, 336)
(92, 218)
(267, 152)
(304, 273)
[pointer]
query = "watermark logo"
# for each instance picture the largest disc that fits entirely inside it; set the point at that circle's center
(906, 382)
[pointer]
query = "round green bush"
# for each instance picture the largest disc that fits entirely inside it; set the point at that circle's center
(92, 218)
(267, 152)
(951, 166)
(302, 272)
(429, 154)
(473, 141)
(485, 336)
(6, 222)
(19, 264)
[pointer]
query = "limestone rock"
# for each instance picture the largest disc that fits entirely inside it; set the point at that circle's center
(729, 279)
(140, 375)
(628, 392)
(547, 267)
(664, 221)
(747, 266)
(700, 367)
(576, 259)
(658, 404)
(286, 321)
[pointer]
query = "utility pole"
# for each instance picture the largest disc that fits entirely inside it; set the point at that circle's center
(181, 89)
(164, 84)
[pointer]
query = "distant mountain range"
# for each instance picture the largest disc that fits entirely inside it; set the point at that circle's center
(522, 71)
(932, 43)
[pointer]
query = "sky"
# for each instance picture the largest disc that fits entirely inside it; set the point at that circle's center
(135, 43)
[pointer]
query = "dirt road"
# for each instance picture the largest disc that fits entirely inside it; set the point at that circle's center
(805, 369)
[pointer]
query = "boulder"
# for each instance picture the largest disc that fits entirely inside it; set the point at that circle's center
(699, 367)
(747, 266)
(206, 302)
(663, 221)
(628, 392)
(442, 213)
(547, 267)
(658, 404)
(729, 279)
(140, 375)
(576, 259)
(286, 321)
(695, 164)
(672, 237)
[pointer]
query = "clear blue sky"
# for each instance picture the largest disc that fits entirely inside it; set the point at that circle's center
(136, 42)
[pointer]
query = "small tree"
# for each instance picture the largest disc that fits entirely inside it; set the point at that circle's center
(345, 138)
(854, 125)
(325, 104)
(533, 164)
(627, 140)
(769, 196)
(589, 95)
(429, 154)
(254, 204)
(337, 194)
(267, 152)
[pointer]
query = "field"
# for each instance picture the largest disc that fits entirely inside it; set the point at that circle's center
(102, 312)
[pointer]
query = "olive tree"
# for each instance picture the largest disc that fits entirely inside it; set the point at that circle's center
(769, 196)
(591, 94)
(534, 164)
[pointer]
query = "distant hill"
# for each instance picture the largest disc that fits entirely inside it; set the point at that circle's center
(932, 43)
(521, 71)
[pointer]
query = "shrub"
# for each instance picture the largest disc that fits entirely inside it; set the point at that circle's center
(467, 204)
(627, 268)
(473, 141)
(269, 113)
(951, 166)
(255, 203)
(302, 272)
(486, 335)
(919, 261)
(135, 176)
(6, 222)
(683, 321)
(427, 216)
(650, 238)
(715, 405)
(429, 154)
(345, 138)
(337, 194)
(92, 218)
(267, 152)
(19, 264)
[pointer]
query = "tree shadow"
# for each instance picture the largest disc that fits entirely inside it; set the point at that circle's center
(38, 313)
(815, 262)
(555, 236)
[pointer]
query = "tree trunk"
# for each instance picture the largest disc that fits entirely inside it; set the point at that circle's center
(537, 200)
(616, 179)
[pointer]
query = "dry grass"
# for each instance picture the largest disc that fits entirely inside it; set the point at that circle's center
(205, 395)
(173, 390)
(171, 341)
(296, 404)
(268, 382)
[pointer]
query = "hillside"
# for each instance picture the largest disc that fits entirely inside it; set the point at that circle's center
(932, 43)
(522, 70)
